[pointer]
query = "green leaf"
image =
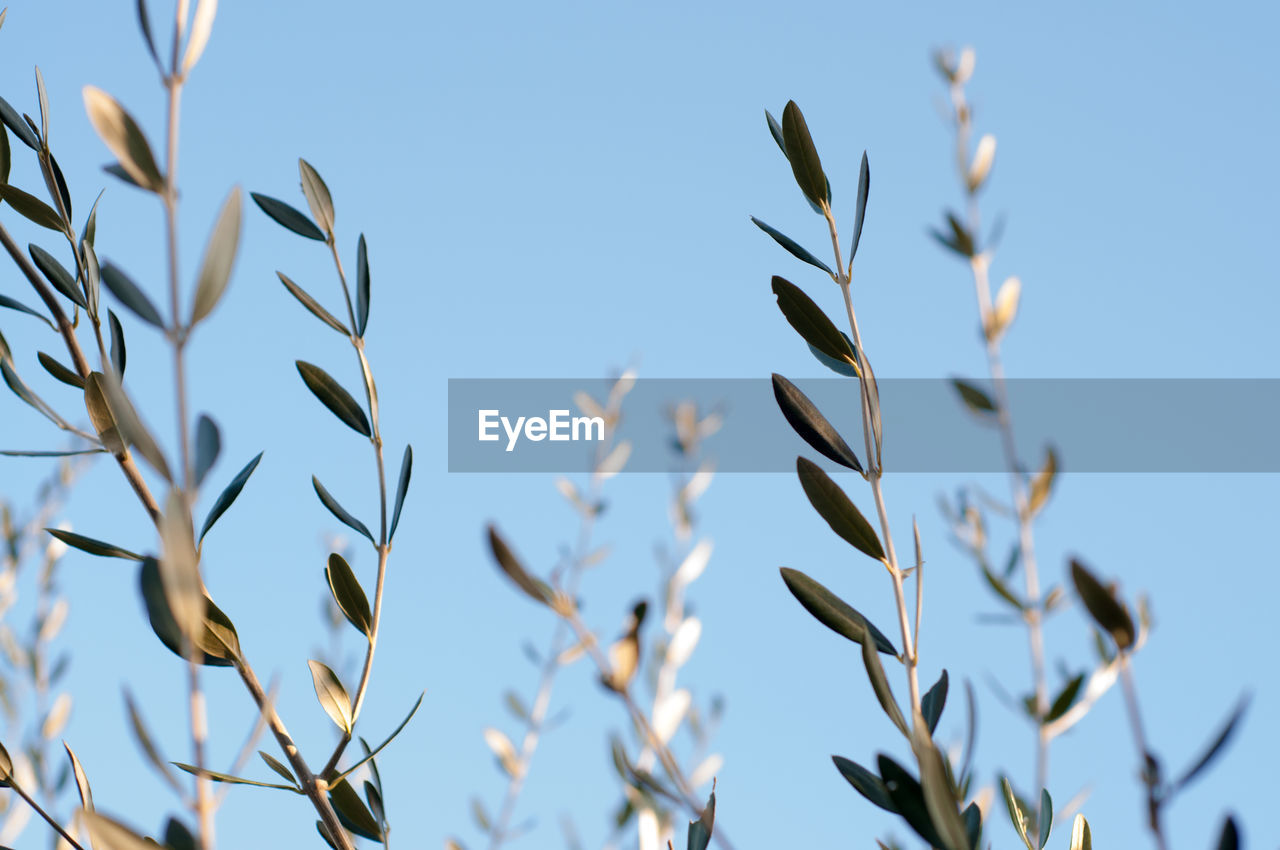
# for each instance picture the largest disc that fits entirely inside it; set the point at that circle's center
(1046, 817)
(803, 156)
(102, 416)
(700, 829)
(959, 240)
(794, 248)
(1016, 816)
(1001, 588)
(232, 780)
(1211, 752)
(128, 293)
(832, 611)
(144, 22)
(19, 127)
(208, 447)
(134, 432)
(31, 208)
(340, 512)
(219, 257)
(368, 757)
(811, 425)
(6, 768)
(11, 304)
(1065, 699)
(865, 783)
(334, 397)
(353, 813)
(124, 138)
(362, 287)
(6, 155)
(347, 592)
(93, 547)
(106, 832)
(57, 370)
(880, 684)
(76, 453)
(218, 642)
(314, 306)
(860, 213)
(934, 701)
(972, 817)
(775, 130)
(82, 780)
(280, 769)
(119, 354)
(60, 184)
(1229, 840)
(333, 697)
(288, 217)
(1107, 611)
(228, 495)
(402, 489)
(180, 566)
(974, 398)
(811, 323)
(535, 589)
(317, 194)
(834, 506)
(57, 275)
(908, 799)
(840, 367)
(177, 836)
(939, 799)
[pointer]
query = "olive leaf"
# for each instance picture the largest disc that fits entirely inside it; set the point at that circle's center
(128, 293)
(794, 248)
(92, 546)
(811, 323)
(61, 279)
(124, 138)
(340, 512)
(402, 489)
(934, 700)
(232, 780)
(287, 217)
(833, 612)
(332, 695)
(220, 253)
(348, 594)
(811, 425)
(312, 305)
(30, 207)
(865, 783)
(860, 213)
(229, 495)
(362, 286)
(208, 447)
(317, 194)
(700, 829)
(834, 506)
(352, 812)
(880, 685)
(535, 589)
(334, 397)
(1107, 611)
(803, 156)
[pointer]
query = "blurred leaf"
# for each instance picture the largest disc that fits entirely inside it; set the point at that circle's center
(959, 240)
(231, 780)
(1001, 588)
(208, 447)
(1107, 611)
(220, 253)
(1210, 753)
(834, 506)
(102, 416)
(347, 592)
(504, 750)
(332, 695)
(144, 23)
(128, 293)
(1016, 816)
(803, 156)
(934, 701)
(180, 566)
(340, 512)
(939, 799)
(57, 275)
(352, 812)
(11, 304)
(402, 489)
(19, 127)
(177, 836)
(145, 741)
(217, 641)
(229, 495)
(1046, 817)
(1042, 484)
(974, 398)
(30, 207)
(57, 370)
(811, 425)
(281, 770)
(860, 213)
(93, 547)
(201, 27)
(535, 589)
(124, 138)
(119, 354)
(1081, 838)
(334, 397)
(980, 167)
(288, 217)
(700, 829)
(6, 768)
(972, 817)
(43, 96)
(908, 799)
(82, 780)
(794, 248)
(832, 611)
(880, 684)
(865, 783)
(362, 287)
(314, 306)
(811, 323)
(317, 194)
(112, 834)
(1229, 840)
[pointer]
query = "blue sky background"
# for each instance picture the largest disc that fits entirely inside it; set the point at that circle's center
(554, 190)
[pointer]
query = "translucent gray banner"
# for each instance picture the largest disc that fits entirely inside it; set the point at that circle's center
(1110, 425)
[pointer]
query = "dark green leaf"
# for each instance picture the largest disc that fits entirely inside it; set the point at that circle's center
(124, 138)
(832, 611)
(972, 816)
(795, 248)
(338, 511)
(402, 489)
(1224, 735)
(288, 217)
(811, 323)
(144, 22)
(317, 195)
(811, 425)
(353, 813)
(334, 397)
(280, 769)
(908, 799)
(218, 643)
(208, 446)
(57, 275)
(1046, 817)
(864, 189)
(880, 684)
(865, 783)
(324, 833)
(536, 589)
(1065, 699)
(31, 208)
(1229, 840)
(700, 829)
(974, 398)
(840, 367)
(228, 495)
(834, 506)
(90, 232)
(368, 757)
(119, 355)
(934, 701)
(348, 593)
(803, 156)
(775, 130)
(362, 287)
(7, 302)
(374, 798)
(19, 127)
(1107, 611)
(128, 293)
(60, 183)
(6, 155)
(219, 257)
(6, 768)
(93, 547)
(314, 306)
(178, 837)
(231, 780)
(57, 370)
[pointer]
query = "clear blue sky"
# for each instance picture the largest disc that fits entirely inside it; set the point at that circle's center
(552, 190)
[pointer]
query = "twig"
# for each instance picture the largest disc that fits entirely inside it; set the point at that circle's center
(1150, 767)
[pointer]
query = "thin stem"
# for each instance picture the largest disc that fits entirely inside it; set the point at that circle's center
(1150, 774)
(43, 814)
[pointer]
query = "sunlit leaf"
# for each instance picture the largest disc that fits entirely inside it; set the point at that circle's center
(232, 780)
(1082, 839)
(332, 695)
(93, 547)
(123, 137)
(280, 769)
(317, 194)
(112, 834)
(220, 253)
(201, 27)
(217, 641)
(81, 779)
(368, 757)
